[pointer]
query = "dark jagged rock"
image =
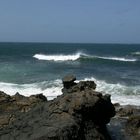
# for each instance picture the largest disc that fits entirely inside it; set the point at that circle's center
(70, 86)
(80, 115)
(11, 105)
(126, 124)
(133, 126)
(127, 111)
(68, 81)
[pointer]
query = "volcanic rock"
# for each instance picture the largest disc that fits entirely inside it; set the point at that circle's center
(80, 113)
(11, 105)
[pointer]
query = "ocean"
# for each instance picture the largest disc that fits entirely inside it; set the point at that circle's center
(33, 68)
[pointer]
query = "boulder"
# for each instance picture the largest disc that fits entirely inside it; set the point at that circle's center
(81, 114)
(69, 86)
(68, 81)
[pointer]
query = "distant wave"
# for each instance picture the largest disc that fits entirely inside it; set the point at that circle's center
(118, 59)
(60, 57)
(79, 56)
(135, 53)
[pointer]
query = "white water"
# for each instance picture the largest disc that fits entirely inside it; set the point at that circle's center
(119, 93)
(136, 53)
(118, 59)
(57, 57)
(50, 89)
(76, 56)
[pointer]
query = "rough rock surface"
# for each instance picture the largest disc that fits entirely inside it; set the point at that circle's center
(78, 114)
(126, 124)
(11, 105)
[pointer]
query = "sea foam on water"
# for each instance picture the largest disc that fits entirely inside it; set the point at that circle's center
(51, 89)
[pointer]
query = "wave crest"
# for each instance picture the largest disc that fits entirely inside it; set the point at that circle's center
(58, 57)
(51, 89)
(118, 59)
(80, 56)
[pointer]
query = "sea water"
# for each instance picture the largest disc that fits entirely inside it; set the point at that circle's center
(33, 68)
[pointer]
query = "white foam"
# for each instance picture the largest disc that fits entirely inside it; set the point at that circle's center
(60, 57)
(49, 89)
(119, 93)
(117, 59)
(136, 53)
(76, 56)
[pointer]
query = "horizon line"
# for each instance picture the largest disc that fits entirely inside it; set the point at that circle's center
(68, 42)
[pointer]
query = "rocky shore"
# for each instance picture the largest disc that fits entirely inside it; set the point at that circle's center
(80, 113)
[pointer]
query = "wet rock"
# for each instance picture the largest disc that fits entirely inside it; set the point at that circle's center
(127, 110)
(87, 85)
(133, 126)
(126, 124)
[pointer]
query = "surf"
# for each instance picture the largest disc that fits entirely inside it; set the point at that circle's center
(122, 94)
(58, 57)
(118, 59)
(50, 89)
(79, 56)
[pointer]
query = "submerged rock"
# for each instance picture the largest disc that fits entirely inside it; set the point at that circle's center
(80, 113)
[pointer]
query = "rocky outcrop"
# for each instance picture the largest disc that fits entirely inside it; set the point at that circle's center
(80, 113)
(133, 127)
(70, 86)
(126, 124)
(10, 106)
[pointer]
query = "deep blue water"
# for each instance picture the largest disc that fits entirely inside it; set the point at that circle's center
(30, 64)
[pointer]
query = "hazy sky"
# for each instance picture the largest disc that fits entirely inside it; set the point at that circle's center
(91, 21)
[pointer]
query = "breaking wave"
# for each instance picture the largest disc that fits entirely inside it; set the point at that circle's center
(122, 94)
(136, 53)
(51, 89)
(79, 56)
(58, 57)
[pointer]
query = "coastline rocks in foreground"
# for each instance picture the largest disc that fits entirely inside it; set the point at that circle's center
(80, 113)
(10, 106)
(126, 124)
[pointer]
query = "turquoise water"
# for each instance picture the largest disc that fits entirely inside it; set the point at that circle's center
(31, 68)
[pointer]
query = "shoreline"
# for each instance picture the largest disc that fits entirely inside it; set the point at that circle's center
(76, 96)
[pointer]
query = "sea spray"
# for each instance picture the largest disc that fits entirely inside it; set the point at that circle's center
(57, 57)
(79, 55)
(51, 89)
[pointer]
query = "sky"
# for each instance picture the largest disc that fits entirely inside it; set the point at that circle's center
(70, 21)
